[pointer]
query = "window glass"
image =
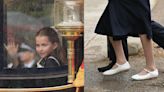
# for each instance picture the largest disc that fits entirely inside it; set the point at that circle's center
(27, 42)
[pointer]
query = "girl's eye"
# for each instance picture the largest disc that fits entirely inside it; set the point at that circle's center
(44, 44)
(37, 45)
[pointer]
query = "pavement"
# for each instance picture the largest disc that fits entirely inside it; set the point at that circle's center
(96, 82)
(96, 56)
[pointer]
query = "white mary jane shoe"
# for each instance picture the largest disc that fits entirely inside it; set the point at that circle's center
(119, 68)
(149, 75)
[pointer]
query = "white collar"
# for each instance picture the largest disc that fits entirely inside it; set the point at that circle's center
(29, 65)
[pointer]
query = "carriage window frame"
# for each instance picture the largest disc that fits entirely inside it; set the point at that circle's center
(23, 73)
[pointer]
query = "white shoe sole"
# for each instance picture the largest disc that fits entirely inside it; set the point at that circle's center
(148, 76)
(126, 70)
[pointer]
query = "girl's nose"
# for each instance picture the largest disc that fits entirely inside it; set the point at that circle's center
(39, 49)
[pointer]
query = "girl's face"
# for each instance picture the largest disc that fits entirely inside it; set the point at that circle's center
(43, 46)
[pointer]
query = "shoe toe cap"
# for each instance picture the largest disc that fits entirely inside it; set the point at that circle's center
(109, 72)
(106, 73)
(135, 77)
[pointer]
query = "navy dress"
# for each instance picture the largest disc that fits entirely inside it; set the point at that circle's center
(49, 62)
(123, 18)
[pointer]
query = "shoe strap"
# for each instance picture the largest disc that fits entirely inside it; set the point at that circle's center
(117, 64)
(120, 64)
(147, 70)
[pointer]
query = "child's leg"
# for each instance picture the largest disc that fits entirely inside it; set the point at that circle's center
(111, 53)
(148, 52)
(121, 61)
(118, 48)
(150, 70)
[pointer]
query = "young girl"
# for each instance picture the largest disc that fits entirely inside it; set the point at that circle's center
(122, 18)
(49, 48)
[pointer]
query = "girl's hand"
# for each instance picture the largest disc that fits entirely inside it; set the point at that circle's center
(12, 48)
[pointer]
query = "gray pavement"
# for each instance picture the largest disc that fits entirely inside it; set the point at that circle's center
(96, 82)
(96, 56)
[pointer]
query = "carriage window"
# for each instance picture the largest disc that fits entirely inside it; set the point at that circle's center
(30, 40)
(36, 50)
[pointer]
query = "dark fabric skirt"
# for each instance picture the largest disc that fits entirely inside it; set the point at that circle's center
(123, 18)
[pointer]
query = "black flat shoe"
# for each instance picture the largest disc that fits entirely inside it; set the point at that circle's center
(103, 69)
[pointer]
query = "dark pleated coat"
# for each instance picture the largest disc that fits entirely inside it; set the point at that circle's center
(158, 33)
(122, 18)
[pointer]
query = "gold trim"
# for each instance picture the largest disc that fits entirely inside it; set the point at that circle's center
(36, 89)
(70, 27)
(71, 58)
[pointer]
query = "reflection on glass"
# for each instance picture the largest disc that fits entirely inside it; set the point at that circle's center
(22, 57)
(24, 19)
